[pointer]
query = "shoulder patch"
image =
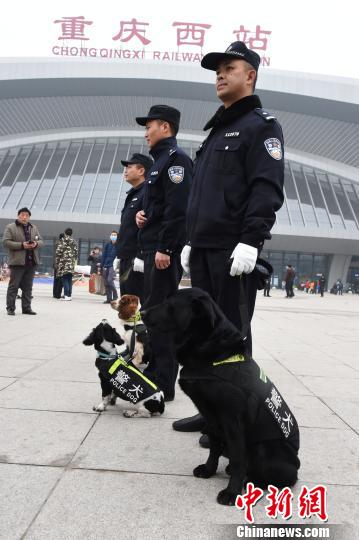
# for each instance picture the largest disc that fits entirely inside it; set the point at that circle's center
(274, 148)
(176, 174)
(265, 115)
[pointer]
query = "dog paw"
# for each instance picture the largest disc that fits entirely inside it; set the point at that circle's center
(130, 414)
(227, 497)
(202, 471)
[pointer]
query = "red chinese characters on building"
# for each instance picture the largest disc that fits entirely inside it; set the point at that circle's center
(132, 29)
(313, 502)
(248, 500)
(253, 40)
(73, 27)
(191, 33)
(281, 502)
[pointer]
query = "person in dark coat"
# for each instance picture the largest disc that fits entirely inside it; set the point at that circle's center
(289, 281)
(132, 280)
(162, 228)
(237, 190)
(108, 271)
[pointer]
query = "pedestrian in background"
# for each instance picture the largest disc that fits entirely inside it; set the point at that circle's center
(267, 287)
(57, 285)
(22, 240)
(108, 272)
(66, 259)
(95, 263)
(322, 284)
(289, 281)
(132, 280)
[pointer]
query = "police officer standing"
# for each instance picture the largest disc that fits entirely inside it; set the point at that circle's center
(237, 188)
(162, 227)
(131, 281)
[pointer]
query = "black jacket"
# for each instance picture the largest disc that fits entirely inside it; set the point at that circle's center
(238, 178)
(127, 240)
(165, 198)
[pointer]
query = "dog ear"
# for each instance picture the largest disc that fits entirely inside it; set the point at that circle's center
(206, 308)
(89, 340)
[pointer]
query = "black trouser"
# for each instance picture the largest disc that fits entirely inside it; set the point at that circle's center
(20, 277)
(289, 289)
(109, 275)
(158, 285)
(209, 270)
(57, 286)
(266, 289)
(131, 282)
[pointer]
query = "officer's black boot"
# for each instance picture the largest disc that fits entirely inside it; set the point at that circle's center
(192, 423)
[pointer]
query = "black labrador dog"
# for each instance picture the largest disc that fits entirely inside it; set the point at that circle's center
(246, 416)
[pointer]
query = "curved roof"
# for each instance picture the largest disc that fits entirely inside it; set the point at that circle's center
(319, 114)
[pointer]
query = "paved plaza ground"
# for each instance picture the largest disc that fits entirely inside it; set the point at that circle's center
(67, 472)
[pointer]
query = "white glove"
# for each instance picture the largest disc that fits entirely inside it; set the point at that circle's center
(244, 259)
(185, 255)
(138, 265)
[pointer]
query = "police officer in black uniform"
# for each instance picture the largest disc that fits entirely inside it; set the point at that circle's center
(131, 280)
(162, 227)
(237, 188)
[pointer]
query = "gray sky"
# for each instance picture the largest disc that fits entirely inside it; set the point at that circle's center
(314, 36)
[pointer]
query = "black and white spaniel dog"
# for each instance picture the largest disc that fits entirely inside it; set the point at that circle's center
(119, 377)
(246, 417)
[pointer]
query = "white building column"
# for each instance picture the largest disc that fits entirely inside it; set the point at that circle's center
(339, 267)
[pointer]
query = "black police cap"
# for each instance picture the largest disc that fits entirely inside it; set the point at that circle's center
(161, 112)
(139, 159)
(237, 50)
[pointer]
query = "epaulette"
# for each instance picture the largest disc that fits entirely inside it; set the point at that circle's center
(264, 114)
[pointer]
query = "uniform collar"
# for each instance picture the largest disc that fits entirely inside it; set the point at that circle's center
(165, 144)
(134, 189)
(239, 108)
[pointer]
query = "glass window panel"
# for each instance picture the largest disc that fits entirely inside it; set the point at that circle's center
(343, 203)
(89, 177)
(6, 162)
(62, 178)
(292, 199)
(282, 217)
(331, 202)
(8, 193)
(74, 181)
(353, 198)
(116, 183)
(305, 267)
(48, 180)
(102, 179)
(36, 176)
(304, 195)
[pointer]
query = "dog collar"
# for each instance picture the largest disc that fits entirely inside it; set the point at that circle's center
(105, 356)
(230, 360)
(135, 319)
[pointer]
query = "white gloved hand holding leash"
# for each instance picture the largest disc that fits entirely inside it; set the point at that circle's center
(185, 255)
(244, 259)
(138, 265)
